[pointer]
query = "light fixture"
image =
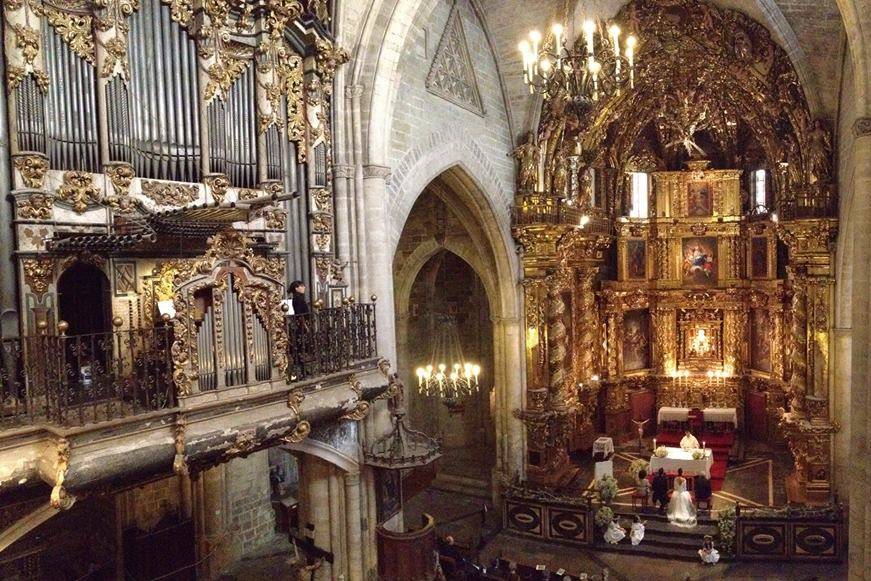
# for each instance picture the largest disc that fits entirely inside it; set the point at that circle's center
(448, 376)
(595, 65)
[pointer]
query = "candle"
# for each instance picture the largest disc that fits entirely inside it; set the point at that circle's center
(595, 67)
(703, 445)
(630, 56)
(615, 42)
(557, 30)
(589, 29)
(654, 443)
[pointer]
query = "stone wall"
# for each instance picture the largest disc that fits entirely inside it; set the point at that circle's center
(143, 507)
(250, 518)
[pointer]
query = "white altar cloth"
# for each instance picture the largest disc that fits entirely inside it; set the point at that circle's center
(721, 415)
(605, 445)
(677, 458)
(669, 414)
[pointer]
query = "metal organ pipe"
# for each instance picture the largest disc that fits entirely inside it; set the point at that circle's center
(165, 93)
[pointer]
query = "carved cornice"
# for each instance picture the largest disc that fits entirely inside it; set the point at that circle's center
(32, 168)
(376, 171)
(78, 190)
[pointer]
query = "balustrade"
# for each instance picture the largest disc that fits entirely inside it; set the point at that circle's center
(73, 380)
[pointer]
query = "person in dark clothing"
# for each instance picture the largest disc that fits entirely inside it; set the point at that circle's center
(297, 298)
(659, 487)
(702, 488)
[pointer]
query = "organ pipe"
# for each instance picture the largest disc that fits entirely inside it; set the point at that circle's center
(30, 116)
(71, 108)
(164, 95)
(206, 352)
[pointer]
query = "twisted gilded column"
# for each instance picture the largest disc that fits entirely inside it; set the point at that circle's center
(556, 343)
(798, 339)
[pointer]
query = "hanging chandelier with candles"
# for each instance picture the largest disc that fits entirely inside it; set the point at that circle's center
(584, 72)
(448, 375)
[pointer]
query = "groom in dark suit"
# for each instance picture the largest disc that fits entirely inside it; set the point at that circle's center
(659, 488)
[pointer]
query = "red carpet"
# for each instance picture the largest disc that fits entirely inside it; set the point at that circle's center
(719, 443)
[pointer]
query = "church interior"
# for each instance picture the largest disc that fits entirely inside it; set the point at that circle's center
(415, 290)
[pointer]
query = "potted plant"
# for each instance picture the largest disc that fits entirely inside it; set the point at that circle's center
(726, 529)
(607, 487)
(603, 517)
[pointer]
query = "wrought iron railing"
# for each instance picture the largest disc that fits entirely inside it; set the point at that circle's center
(330, 340)
(76, 380)
(73, 380)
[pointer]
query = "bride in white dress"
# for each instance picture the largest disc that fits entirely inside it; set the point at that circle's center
(681, 510)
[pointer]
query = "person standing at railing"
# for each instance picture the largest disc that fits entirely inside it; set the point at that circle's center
(300, 326)
(297, 298)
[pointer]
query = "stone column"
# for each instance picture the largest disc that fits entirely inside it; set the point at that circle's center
(358, 225)
(353, 525)
(509, 396)
(337, 521)
(379, 271)
(860, 386)
(315, 501)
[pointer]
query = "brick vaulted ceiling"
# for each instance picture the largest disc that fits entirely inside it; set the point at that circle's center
(811, 32)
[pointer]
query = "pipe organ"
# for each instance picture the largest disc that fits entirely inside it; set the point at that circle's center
(146, 135)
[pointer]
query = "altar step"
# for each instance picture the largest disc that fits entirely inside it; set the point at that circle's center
(662, 539)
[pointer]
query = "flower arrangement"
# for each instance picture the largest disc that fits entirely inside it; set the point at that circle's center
(698, 454)
(636, 467)
(607, 487)
(660, 452)
(603, 516)
(726, 527)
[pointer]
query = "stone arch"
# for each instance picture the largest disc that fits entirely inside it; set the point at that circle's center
(450, 164)
(326, 453)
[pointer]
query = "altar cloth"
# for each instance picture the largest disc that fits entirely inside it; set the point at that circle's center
(670, 414)
(721, 415)
(677, 458)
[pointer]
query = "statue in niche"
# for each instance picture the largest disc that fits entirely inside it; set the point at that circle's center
(819, 150)
(528, 156)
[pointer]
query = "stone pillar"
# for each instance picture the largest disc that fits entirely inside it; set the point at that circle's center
(859, 475)
(337, 521)
(358, 229)
(353, 524)
(379, 271)
(315, 498)
(509, 396)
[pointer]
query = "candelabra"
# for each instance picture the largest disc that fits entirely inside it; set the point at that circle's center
(448, 376)
(584, 71)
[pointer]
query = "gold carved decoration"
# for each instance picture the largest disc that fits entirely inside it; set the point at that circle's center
(329, 58)
(60, 499)
(179, 463)
(218, 185)
(35, 207)
(32, 169)
(113, 19)
(300, 432)
(121, 176)
(78, 190)
(38, 274)
(169, 193)
(75, 29)
(295, 397)
(181, 11)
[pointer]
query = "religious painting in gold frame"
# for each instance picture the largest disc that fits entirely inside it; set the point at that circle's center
(700, 199)
(636, 340)
(760, 340)
(759, 257)
(699, 261)
(700, 339)
(636, 259)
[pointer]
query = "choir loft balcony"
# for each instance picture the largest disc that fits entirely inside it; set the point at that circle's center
(220, 371)
(72, 381)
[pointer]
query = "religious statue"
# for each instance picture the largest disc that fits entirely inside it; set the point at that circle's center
(819, 150)
(689, 442)
(527, 155)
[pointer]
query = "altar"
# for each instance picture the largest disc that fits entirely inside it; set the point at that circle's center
(677, 458)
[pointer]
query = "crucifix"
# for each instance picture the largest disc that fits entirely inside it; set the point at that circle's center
(640, 428)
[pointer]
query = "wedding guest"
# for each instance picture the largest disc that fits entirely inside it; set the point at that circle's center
(642, 489)
(659, 487)
(637, 531)
(513, 575)
(615, 533)
(702, 488)
(708, 553)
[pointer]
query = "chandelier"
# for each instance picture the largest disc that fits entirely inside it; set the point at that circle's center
(448, 375)
(600, 66)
